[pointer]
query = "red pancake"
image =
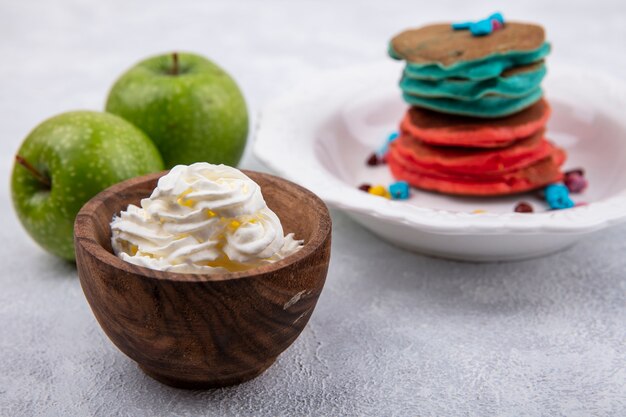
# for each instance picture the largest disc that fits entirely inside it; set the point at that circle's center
(530, 177)
(473, 160)
(450, 130)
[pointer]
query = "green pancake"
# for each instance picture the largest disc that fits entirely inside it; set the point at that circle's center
(489, 106)
(515, 82)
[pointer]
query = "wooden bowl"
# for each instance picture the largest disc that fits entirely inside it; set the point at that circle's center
(203, 331)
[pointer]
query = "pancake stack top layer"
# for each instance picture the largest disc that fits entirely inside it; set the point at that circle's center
(477, 118)
(455, 51)
(454, 72)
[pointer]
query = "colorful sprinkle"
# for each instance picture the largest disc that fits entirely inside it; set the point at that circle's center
(399, 190)
(479, 211)
(379, 190)
(557, 197)
(184, 201)
(575, 181)
(482, 27)
(373, 160)
(382, 151)
(365, 187)
(523, 207)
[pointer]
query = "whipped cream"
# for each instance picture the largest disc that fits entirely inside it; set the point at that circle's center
(202, 218)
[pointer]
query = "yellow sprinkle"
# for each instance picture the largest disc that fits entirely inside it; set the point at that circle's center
(252, 221)
(380, 191)
(479, 211)
(133, 250)
(210, 213)
(235, 224)
(184, 202)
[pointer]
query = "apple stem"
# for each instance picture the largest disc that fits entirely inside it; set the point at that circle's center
(174, 63)
(38, 175)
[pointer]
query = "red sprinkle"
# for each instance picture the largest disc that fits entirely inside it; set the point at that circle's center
(365, 187)
(373, 160)
(575, 181)
(524, 207)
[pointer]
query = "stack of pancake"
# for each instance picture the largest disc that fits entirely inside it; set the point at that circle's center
(476, 125)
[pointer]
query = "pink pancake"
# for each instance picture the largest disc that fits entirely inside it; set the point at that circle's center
(450, 130)
(530, 177)
(474, 160)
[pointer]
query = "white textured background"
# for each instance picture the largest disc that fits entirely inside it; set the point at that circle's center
(394, 333)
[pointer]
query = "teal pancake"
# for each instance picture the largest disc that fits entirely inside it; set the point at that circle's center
(437, 51)
(488, 67)
(489, 106)
(516, 82)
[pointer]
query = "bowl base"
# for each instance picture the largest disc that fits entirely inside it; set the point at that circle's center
(469, 246)
(471, 258)
(199, 383)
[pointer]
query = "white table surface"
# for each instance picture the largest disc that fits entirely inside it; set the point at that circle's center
(394, 333)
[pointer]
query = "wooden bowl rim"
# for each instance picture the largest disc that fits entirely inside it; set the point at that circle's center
(84, 236)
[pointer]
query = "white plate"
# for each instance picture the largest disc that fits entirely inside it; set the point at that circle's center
(320, 133)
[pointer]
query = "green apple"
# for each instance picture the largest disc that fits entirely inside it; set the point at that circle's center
(64, 162)
(191, 109)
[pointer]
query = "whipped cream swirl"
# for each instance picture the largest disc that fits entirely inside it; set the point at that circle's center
(201, 218)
